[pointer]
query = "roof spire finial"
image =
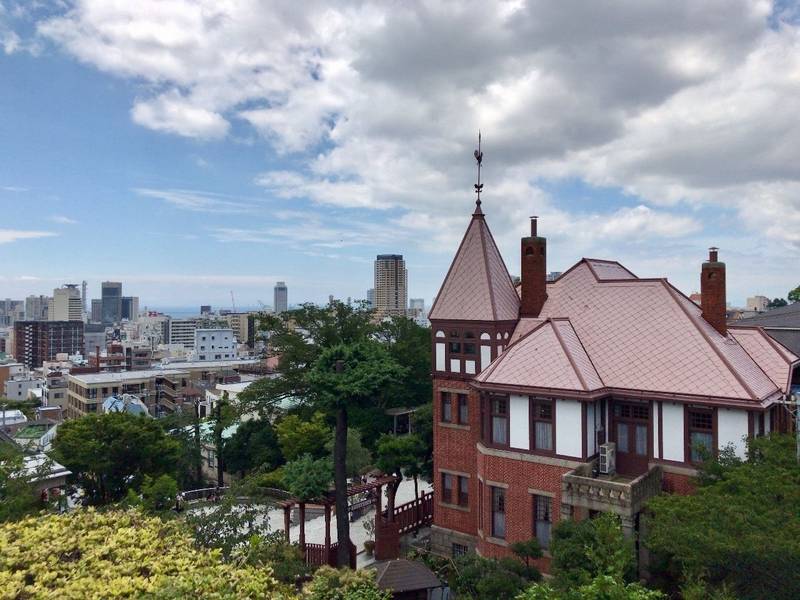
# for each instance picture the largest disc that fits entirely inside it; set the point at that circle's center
(478, 186)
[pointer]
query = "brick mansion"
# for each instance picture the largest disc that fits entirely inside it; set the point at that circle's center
(590, 393)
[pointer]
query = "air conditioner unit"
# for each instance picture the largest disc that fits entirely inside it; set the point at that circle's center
(608, 458)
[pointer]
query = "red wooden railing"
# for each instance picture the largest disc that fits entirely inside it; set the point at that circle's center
(414, 514)
(316, 555)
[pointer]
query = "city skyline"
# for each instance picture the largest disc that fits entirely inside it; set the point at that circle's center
(233, 175)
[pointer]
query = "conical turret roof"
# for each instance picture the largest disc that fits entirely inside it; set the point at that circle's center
(477, 286)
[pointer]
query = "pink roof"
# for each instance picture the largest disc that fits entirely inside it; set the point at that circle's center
(774, 358)
(619, 331)
(478, 286)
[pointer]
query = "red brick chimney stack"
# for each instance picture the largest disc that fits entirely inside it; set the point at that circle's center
(713, 299)
(534, 273)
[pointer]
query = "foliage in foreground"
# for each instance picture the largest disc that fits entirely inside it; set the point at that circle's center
(18, 496)
(585, 550)
(741, 529)
(229, 524)
(88, 554)
(472, 576)
(592, 560)
(343, 584)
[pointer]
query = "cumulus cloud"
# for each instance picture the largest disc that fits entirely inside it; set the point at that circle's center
(682, 105)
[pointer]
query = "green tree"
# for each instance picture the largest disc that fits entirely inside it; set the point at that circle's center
(229, 524)
(332, 584)
(402, 456)
(480, 578)
(794, 295)
(603, 587)
(422, 425)
(110, 453)
(254, 445)
(223, 416)
(18, 494)
(158, 495)
(740, 530)
(410, 345)
(120, 554)
(297, 436)
(184, 428)
(584, 550)
(777, 303)
(272, 550)
(306, 478)
(330, 361)
(358, 457)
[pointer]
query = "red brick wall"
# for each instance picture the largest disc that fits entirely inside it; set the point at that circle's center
(454, 450)
(678, 484)
(520, 476)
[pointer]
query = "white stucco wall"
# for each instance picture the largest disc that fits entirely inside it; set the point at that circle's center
(732, 429)
(673, 434)
(455, 365)
(519, 422)
(590, 429)
(486, 356)
(440, 364)
(568, 428)
(469, 367)
(656, 426)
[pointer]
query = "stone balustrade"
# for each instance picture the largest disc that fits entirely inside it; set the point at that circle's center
(625, 498)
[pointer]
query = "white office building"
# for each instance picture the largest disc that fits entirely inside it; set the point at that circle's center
(66, 305)
(214, 344)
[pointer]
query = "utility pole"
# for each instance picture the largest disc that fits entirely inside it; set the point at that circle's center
(340, 481)
(218, 435)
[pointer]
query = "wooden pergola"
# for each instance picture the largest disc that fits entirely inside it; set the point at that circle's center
(325, 554)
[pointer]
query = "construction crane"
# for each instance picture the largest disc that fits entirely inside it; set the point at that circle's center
(233, 302)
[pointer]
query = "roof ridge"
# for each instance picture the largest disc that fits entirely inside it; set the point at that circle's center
(586, 352)
(482, 231)
(693, 319)
(570, 358)
(744, 349)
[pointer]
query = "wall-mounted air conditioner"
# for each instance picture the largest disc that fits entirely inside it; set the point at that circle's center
(608, 458)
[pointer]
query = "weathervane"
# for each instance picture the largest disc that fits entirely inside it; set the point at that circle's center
(478, 186)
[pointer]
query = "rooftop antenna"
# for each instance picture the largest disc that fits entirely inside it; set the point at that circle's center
(478, 186)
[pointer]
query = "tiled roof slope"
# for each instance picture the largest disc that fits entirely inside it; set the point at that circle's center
(775, 359)
(636, 334)
(478, 286)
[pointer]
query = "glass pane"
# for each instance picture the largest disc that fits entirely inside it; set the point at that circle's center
(499, 525)
(543, 533)
(622, 437)
(544, 435)
(641, 440)
(499, 430)
(702, 445)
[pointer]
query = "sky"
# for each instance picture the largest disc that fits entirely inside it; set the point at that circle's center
(194, 148)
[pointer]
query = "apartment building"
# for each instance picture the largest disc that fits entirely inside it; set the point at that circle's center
(214, 344)
(589, 393)
(391, 285)
(38, 341)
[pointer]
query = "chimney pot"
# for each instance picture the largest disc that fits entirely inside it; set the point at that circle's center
(534, 273)
(713, 301)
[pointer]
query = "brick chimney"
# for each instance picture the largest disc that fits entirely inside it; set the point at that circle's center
(534, 273)
(712, 292)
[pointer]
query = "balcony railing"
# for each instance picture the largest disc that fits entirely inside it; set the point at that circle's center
(579, 488)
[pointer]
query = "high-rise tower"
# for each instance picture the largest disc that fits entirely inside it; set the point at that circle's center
(391, 285)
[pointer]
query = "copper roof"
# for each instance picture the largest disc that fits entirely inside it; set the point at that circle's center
(477, 286)
(603, 328)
